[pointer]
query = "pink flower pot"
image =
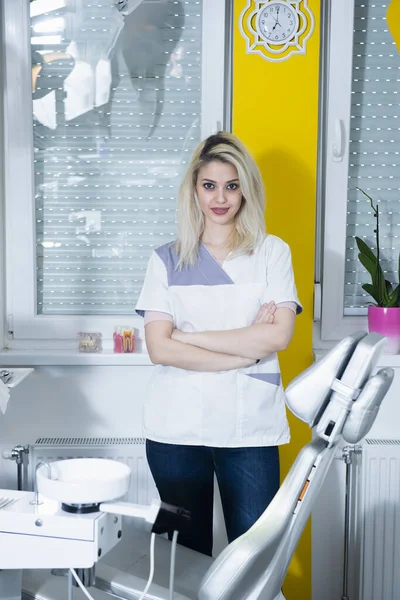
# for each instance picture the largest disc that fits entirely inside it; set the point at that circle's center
(386, 321)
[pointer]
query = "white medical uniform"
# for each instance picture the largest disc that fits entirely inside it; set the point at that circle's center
(238, 408)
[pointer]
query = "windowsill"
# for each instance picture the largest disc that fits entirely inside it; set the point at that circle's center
(28, 358)
(37, 358)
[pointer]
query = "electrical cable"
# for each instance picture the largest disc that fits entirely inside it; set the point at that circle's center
(172, 565)
(151, 574)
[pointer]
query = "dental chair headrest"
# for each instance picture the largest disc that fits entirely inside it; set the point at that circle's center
(337, 395)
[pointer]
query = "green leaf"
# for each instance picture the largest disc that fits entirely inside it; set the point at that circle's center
(389, 287)
(398, 269)
(370, 264)
(392, 301)
(384, 294)
(364, 248)
(394, 298)
(374, 269)
(372, 291)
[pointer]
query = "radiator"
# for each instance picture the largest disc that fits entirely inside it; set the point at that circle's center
(380, 520)
(129, 450)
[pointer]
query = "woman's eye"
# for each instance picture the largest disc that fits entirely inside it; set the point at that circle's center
(209, 186)
(233, 186)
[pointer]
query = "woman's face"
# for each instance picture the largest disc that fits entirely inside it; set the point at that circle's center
(218, 191)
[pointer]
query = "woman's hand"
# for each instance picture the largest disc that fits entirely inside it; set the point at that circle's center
(248, 362)
(266, 314)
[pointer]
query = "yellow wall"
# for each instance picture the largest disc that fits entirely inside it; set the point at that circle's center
(393, 21)
(275, 113)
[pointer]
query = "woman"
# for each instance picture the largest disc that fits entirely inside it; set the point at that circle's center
(218, 304)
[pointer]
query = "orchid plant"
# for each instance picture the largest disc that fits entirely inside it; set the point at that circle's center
(380, 288)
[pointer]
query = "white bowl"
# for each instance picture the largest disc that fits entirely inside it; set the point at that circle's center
(84, 480)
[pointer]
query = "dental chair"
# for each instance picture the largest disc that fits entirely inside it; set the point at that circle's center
(339, 398)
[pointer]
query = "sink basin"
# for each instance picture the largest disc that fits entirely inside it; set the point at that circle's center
(83, 480)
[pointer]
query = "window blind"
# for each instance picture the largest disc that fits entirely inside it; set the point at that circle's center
(374, 163)
(112, 140)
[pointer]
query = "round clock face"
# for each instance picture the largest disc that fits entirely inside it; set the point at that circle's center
(277, 22)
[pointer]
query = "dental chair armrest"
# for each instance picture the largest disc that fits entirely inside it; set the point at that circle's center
(367, 405)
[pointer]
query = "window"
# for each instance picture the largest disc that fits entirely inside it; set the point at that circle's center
(104, 103)
(362, 150)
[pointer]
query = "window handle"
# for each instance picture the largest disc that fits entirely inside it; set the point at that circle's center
(338, 146)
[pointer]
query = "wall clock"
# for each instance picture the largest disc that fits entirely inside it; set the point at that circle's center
(276, 29)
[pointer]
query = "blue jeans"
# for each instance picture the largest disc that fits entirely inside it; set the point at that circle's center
(248, 479)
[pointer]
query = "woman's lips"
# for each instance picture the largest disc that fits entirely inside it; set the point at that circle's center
(220, 211)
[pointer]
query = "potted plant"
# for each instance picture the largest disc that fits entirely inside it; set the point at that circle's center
(384, 314)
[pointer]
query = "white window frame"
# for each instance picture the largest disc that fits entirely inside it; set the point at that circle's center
(334, 325)
(30, 329)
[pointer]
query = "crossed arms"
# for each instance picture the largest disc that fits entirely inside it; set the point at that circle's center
(271, 332)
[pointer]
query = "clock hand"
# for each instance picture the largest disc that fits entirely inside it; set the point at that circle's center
(276, 23)
(278, 8)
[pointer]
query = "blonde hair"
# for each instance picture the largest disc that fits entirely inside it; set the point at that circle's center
(249, 223)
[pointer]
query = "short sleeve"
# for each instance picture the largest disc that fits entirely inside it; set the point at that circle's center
(280, 277)
(150, 316)
(154, 294)
(290, 305)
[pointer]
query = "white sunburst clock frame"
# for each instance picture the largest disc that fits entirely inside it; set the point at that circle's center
(276, 29)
